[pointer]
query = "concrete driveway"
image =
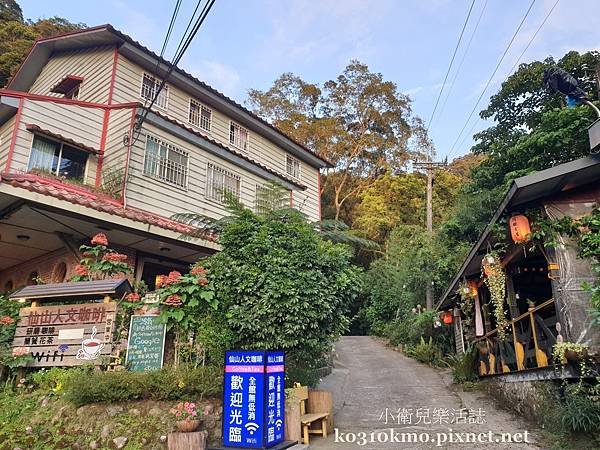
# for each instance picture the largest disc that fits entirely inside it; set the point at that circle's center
(384, 400)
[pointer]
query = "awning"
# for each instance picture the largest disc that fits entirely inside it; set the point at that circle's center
(36, 129)
(112, 287)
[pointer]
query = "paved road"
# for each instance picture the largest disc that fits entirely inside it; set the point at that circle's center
(371, 383)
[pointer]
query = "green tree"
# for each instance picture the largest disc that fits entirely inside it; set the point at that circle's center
(359, 121)
(17, 36)
(279, 285)
(10, 11)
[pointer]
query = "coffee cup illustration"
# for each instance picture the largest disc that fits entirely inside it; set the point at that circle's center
(90, 348)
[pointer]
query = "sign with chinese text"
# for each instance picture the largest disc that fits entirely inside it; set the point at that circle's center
(275, 397)
(146, 344)
(65, 335)
(246, 400)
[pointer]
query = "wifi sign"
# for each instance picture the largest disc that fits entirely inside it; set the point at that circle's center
(251, 427)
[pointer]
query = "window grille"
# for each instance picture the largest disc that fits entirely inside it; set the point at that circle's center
(150, 87)
(219, 181)
(292, 166)
(200, 115)
(238, 136)
(166, 162)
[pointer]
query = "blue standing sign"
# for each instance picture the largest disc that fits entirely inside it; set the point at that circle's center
(275, 397)
(253, 399)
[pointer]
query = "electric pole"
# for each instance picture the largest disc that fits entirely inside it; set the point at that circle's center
(429, 167)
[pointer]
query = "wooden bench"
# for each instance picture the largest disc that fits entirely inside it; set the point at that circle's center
(307, 419)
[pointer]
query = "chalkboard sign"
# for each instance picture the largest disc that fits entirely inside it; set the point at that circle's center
(146, 344)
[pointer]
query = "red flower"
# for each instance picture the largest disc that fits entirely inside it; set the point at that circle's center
(202, 281)
(100, 239)
(114, 257)
(133, 297)
(173, 277)
(6, 320)
(81, 270)
(198, 271)
(173, 300)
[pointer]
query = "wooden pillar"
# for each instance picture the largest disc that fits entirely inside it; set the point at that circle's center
(292, 427)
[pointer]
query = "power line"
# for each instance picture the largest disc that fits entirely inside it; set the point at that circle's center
(518, 60)
(181, 49)
(453, 82)
(170, 29)
(487, 85)
(450, 66)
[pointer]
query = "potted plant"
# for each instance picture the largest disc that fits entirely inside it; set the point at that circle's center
(186, 417)
(571, 352)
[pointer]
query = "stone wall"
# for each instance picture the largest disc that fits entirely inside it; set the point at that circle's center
(529, 399)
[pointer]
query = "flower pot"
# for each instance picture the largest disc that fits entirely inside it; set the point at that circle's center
(573, 356)
(188, 425)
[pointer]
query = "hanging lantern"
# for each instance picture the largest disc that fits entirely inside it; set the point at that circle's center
(447, 317)
(520, 230)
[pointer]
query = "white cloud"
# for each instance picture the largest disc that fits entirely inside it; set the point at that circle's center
(221, 77)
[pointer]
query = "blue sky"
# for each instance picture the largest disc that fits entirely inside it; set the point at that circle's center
(248, 43)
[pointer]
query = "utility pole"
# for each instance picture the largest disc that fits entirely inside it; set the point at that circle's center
(429, 167)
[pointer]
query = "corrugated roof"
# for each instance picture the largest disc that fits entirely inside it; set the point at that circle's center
(524, 191)
(115, 287)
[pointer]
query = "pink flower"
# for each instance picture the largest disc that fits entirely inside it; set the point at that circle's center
(114, 257)
(198, 271)
(100, 239)
(6, 320)
(81, 270)
(133, 297)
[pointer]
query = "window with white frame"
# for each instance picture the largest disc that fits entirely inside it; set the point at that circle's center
(150, 86)
(166, 162)
(57, 158)
(238, 136)
(200, 115)
(269, 198)
(219, 181)
(292, 166)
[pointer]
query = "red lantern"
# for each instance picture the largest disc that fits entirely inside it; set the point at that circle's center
(447, 317)
(520, 230)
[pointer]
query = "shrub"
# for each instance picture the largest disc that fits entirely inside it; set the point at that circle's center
(166, 384)
(580, 409)
(279, 285)
(425, 352)
(55, 379)
(464, 366)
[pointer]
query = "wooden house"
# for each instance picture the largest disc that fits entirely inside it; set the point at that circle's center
(544, 284)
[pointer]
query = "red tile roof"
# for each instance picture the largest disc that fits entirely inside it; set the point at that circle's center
(79, 195)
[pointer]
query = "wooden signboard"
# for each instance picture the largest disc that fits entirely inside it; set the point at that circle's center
(146, 344)
(66, 335)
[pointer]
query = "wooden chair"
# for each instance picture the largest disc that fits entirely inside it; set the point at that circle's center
(307, 418)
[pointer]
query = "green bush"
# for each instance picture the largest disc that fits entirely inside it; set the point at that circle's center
(279, 285)
(55, 379)
(580, 409)
(464, 366)
(425, 352)
(166, 384)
